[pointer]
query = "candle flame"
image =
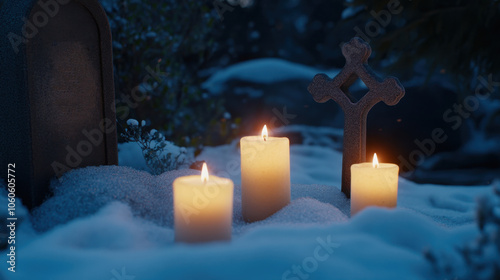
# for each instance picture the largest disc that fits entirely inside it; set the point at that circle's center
(375, 161)
(204, 173)
(264, 133)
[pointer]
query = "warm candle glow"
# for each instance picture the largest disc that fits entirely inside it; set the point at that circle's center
(264, 133)
(203, 210)
(375, 161)
(265, 175)
(204, 173)
(373, 184)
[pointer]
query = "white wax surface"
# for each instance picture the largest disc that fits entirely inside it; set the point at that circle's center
(203, 211)
(372, 186)
(265, 176)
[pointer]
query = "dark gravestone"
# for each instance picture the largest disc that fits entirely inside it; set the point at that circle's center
(56, 91)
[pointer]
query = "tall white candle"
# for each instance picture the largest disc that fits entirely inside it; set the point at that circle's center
(203, 208)
(265, 175)
(373, 184)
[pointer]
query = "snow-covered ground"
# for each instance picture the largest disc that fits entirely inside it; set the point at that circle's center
(117, 223)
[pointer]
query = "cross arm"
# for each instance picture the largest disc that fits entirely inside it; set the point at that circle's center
(389, 90)
(322, 88)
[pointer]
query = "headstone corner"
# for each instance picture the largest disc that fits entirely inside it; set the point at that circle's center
(56, 89)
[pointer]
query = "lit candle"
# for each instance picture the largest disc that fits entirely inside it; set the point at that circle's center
(265, 175)
(373, 184)
(203, 208)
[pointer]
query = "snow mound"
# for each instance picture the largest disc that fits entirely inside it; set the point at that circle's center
(325, 194)
(83, 192)
(130, 154)
(305, 211)
(263, 71)
(113, 227)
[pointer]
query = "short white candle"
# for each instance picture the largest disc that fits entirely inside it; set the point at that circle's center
(203, 208)
(265, 175)
(373, 184)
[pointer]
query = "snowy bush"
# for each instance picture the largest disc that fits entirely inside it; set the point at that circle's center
(479, 259)
(160, 155)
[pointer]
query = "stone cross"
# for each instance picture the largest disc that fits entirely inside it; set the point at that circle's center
(322, 88)
(57, 107)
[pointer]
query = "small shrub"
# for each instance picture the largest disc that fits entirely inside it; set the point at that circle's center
(160, 154)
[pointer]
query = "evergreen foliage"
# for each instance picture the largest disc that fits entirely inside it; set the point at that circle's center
(451, 36)
(168, 42)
